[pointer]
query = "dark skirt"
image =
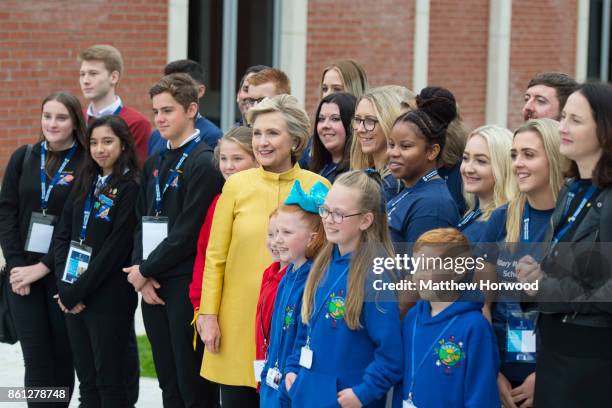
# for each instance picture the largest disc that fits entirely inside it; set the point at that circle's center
(574, 366)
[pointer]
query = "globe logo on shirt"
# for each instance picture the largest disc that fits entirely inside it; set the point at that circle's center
(288, 320)
(449, 353)
(336, 309)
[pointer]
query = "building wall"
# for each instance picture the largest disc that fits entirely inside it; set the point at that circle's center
(39, 44)
(458, 40)
(543, 38)
(376, 34)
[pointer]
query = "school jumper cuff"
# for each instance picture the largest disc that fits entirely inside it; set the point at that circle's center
(15, 261)
(145, 270)
(364, 393)
(68, 295)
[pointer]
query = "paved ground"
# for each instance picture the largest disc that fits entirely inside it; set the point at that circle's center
(11, 374)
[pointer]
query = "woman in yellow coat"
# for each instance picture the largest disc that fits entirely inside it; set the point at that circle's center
(237, 256)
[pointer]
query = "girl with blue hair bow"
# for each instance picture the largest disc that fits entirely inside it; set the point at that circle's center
(299, 238)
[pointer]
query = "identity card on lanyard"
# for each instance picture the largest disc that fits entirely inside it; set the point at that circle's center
(155, 228)
(41, 225)
(79, 254)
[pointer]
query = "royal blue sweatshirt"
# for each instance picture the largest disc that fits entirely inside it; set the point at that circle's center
(285, 316)
(425, 206)
(368, 360)
(460, 370)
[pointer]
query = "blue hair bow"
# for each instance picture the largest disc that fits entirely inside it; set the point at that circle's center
(310, 201)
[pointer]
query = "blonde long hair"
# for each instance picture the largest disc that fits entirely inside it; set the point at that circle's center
(361, 262)
(499, 142)
(352, 74)
(386, 101)
(548, 130)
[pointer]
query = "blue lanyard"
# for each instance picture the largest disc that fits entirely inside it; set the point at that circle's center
(283, 305)
(172, 175)
(426, 178)
(427, 353)
(87, 210)
(471, 216)
(317, 310)
(45, 192)
(526, 220)
(570, 221)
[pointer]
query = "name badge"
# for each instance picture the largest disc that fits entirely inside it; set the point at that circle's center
(258, 366)
(40, 233)
(408, 404)
(273, 378)
(306, 357)
(154, 231)
(521, 340)
(77, 262)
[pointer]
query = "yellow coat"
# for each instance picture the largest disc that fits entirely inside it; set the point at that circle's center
(235, 261)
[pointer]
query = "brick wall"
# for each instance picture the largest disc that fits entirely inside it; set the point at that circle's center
(543, 39)
(377, 34)
(39, 43)
(458, 41)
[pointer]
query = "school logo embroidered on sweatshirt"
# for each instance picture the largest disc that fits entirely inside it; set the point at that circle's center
(288, 321)
(336, 309)
(450, 354)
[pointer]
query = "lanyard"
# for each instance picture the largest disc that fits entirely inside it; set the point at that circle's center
(172, 175)
(526, 220)
(471, 216)
(570, 221)
(427, 353)
(283, 304)
(87, 211)
(426, 178)
(317, 310)
(44, 192)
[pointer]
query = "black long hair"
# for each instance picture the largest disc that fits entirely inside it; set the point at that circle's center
(126, 166)
(320, 156)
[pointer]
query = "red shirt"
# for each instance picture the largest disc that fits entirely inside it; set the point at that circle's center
(195, 287)
(265, 305)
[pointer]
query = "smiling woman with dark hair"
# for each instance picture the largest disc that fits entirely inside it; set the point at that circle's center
(333, 135)
(575, 326)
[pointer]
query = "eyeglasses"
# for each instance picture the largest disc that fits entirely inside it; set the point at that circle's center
(337, 218)
(368, 123)
(252, 102)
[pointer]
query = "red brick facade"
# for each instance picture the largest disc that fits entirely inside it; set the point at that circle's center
(39, 43)
(377, 34)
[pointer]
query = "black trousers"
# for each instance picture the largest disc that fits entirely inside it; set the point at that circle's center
(238, 397)
(44, 342)
(171, 336)
(102, 356)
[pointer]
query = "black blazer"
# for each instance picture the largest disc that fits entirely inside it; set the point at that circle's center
(578, 280)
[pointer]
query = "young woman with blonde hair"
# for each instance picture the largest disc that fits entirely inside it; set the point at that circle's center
(486, 170)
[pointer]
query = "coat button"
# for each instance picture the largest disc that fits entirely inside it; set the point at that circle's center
(556, 253)
(599, 204)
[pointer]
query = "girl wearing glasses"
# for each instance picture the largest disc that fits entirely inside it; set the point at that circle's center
(333, 136)
(486, 172)
(374, 116)
(416, 143)
(348, 350)
(232, 280)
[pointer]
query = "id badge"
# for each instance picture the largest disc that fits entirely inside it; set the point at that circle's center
(273, 378)
(40, 232)
(408, 404)
(306, 357)
(258, 366)
(77, 262)
(154, 231)
(521, 338)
